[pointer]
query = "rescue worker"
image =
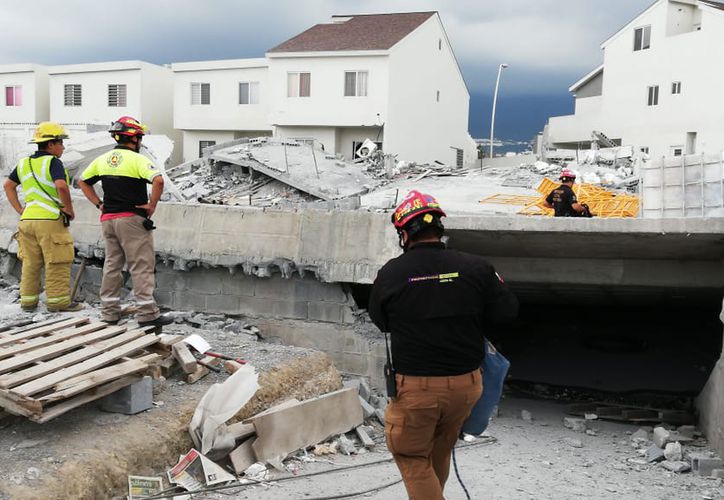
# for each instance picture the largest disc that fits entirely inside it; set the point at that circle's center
(562, 199)
(43, 236)
(125, 209)
(434, 302)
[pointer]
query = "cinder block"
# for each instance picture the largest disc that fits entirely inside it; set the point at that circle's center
(168, 280)
(705, 465)
(275, 287)
(188, 300)
(256, 306)
(130, 400)
(239, 285)
(163, 298)
(206, 281)
(325, 311)
(225, 304)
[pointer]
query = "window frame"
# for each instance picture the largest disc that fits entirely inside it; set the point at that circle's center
(121, 95)
(73, 87)
(14, 90)
(294, 84)
(676, 88)
(200, 93)
(643, 43)
(249, 94)
(361, 85)
(652, 95)
(205, 144)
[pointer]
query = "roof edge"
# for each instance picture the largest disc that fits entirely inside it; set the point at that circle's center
(588, 77)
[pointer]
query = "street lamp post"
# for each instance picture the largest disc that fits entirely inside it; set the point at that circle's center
(495, 102)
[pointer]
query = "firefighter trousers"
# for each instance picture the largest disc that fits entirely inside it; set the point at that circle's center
(422, 425)
(128, 242)
(45, 244)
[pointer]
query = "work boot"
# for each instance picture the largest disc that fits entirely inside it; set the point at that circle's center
(72, 307)
(29, 309)
(111, 321)
(160, 321)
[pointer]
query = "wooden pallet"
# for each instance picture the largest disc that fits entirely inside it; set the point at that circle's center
(49, 368)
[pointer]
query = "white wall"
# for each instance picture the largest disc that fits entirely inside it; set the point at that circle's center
(34, 82)
(191, 140)
(326, 135)
(692, 58)
(224, 112)
(327, 104)
(157, 105)
(94, 107)
(418, 127)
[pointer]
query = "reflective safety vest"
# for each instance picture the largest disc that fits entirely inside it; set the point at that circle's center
(41, 197)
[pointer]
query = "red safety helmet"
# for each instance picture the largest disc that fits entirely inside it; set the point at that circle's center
(416, 203)
(128, 126)
(567, 174)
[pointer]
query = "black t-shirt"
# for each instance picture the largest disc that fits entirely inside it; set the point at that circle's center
(435, 303)
(562, 198)
(57, 170)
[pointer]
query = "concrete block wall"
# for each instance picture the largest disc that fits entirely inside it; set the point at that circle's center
(217, 290)
(710, 404)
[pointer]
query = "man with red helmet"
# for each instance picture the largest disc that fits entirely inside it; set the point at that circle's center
(435, 303)
(125, 209)
(562, 199)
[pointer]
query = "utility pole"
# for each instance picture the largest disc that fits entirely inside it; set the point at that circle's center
(495, 102)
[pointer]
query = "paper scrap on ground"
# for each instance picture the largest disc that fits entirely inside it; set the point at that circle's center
(198, 343)
(219, 404)
(143, 487)
(194, 471)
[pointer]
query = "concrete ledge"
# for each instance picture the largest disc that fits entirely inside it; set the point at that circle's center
(710, 404)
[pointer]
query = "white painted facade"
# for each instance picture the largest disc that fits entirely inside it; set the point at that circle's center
(416, 101)
(402, 108)
(147, 87)
(24, 98)
(686, 46)
(223, 117)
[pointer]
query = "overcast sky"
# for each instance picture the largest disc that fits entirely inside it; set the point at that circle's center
(549, 44)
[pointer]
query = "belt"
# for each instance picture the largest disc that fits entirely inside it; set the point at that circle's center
(451, 381)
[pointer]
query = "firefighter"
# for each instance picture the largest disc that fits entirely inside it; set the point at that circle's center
(43, 236)
(563, 200)
(126, 222)
(434, 302)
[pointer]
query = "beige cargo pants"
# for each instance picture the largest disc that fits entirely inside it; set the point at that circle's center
(45, 244)
(128, 242)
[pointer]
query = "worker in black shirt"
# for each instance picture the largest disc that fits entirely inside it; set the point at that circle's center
(434, 302)
(563, 200)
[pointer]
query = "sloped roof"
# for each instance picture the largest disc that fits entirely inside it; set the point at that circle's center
(590, 76)
(356, 32)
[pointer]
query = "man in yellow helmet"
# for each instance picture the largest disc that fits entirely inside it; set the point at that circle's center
(44, 238)
(124, 174)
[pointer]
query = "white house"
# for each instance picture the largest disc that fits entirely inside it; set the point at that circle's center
(392, 78)
(659, 88)
(218, 101)
(83, 95)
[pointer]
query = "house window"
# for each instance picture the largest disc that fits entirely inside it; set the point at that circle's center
(676, 88)
(653, 95)
(249, 93)
(299, 84)
(677, 150)
(72, 94)
(203, 145)
(14, 95)
(355, 83)
(645, 150)
(459, 156)
(439, 44)
(117, 95)
(200, 93)
(437, 96)
(642, 38)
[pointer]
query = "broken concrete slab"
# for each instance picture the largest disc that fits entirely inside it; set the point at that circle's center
(704, 465)
(365, 438)
(661, 437)
(575, 424)
(241, 431)
(673, 452)
(654, 453)
(367, 408)
(676, 466)
(306, 423)
(243, 456)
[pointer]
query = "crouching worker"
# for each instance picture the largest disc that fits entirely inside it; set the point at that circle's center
(43, 236)
(434, 302)
(126, 210)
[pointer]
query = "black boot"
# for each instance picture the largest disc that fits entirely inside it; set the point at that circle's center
(160, 321)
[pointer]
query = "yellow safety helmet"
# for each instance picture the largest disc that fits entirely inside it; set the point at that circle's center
(48, 131)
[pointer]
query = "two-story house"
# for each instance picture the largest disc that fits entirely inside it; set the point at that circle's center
(659, 87)
(390, 78)
(219, 101)
(86, 95)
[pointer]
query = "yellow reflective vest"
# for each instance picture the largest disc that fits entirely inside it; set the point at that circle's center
(41, 197)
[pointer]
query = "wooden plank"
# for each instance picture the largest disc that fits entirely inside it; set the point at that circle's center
(22, 326)
(57, 349)
(76, 385)
(44, 330)
(50, 339)
(19, 377)
(91, 364)
(183, 355)
(86, 397)
(19, 405)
